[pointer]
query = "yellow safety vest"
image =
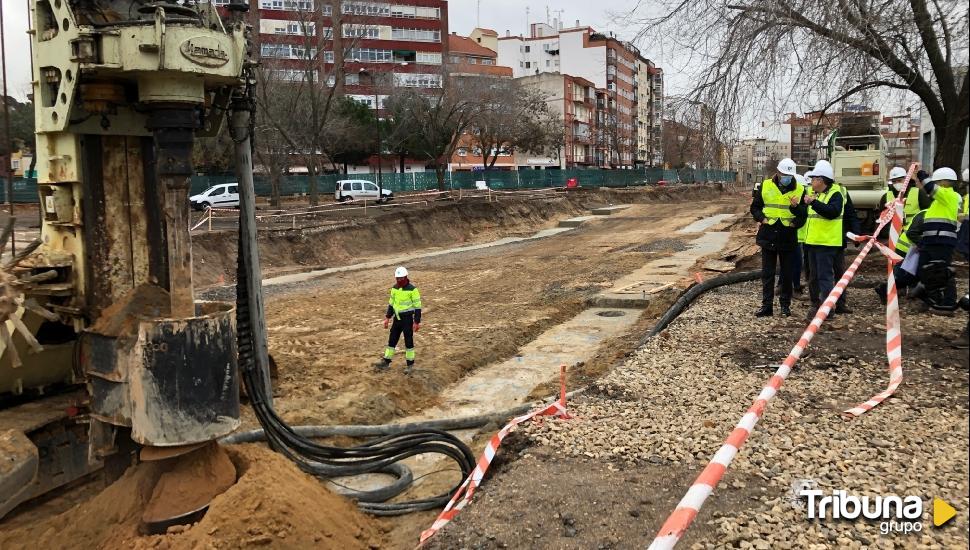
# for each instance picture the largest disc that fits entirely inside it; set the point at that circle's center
(940, 221)
(966, 204)
(912, 202)
(903, 244)
(823, 231)
(777, 204)
(403, 300)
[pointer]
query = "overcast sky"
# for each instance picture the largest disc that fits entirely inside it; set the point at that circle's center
(464, 15)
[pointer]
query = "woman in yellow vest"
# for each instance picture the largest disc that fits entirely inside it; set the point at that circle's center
(404, 317)
(776, 206)
(824, 235)
(916, 198)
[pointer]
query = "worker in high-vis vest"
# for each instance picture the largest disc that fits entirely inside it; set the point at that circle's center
(776, 204)
(916, 198)
(939, 239)
(403, 315)
(824, 235)
(909, 239)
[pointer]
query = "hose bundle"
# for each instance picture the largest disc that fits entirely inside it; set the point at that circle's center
(381, 455)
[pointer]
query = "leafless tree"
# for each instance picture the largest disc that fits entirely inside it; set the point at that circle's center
(762, 55)
(299, 83)
(433, 120)
(512, 117)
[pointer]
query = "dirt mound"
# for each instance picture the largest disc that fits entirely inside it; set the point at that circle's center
(272, 504)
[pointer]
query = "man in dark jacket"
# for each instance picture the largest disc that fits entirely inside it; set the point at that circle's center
(850, 222)
(776, 204)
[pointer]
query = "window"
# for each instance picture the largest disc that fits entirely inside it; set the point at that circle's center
(417, 80)
(286, 51)
(472, 60)
(417, 35)
(369, 55)
(429, 58)
(528, 49)
(486, 61)
(352, 79)
(528, 64)
(290, 5)
(370, 187)
(361, 31)
(366, 8)
(428, 13)
(357, 186)
(346, 186)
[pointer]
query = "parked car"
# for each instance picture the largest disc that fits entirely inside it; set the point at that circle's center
(225, 195)
(350, 190)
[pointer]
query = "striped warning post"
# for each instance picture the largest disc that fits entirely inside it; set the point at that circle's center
(464, 493)
(894, 337)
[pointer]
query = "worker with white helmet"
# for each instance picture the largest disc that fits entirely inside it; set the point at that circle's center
(826, 206)
(916, 198)
(776, 206)
(403, 315)
(938, 239)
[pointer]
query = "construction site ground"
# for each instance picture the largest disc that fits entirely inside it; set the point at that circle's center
(649, 421)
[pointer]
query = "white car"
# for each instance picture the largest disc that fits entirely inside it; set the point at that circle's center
(350, 190)
(218, 196)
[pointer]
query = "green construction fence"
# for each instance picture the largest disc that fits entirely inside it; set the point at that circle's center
(25, 190)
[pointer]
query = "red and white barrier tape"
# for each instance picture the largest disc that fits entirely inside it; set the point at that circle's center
(689, 506)
(894, 335)
(464, 493)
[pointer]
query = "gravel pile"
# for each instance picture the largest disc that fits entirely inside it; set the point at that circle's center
(673, 403)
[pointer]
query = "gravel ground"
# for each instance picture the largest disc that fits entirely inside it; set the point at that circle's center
(608, 478)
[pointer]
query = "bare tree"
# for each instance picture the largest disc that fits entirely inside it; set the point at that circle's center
(432, 121)
(512, 117)
(299, 83)
(757, 55)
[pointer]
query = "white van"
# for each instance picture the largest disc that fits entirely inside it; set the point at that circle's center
(350, 190)
(218, 196)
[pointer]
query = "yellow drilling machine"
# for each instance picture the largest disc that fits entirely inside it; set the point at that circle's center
(106, 358)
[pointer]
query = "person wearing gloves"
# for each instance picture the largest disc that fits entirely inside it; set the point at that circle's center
(939, 239)
(403, 315)
(776, 204)
(824, 237)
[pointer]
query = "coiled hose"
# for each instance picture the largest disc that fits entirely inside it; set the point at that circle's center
(381, 455)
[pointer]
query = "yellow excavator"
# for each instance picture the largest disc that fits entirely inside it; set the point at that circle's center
(103, 349)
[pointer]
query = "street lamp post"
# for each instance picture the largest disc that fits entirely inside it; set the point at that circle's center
(377, 118)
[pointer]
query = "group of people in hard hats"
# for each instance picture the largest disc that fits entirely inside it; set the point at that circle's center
(803, 222)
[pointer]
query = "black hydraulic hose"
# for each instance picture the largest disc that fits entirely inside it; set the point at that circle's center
(381, 455)
(692, 293)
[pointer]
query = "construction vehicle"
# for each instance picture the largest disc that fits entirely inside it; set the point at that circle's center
(103, 348)
(858, 156)
(106, 358)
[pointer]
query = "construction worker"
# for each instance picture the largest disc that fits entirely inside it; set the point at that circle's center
(776, 206)
(909, 239)
(800, 259)
(823, 238)
(939, 239)
(404, 317)
(850, 223)
(916, 198)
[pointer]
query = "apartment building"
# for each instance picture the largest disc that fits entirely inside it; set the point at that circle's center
(808, 132)
(611, 65)
(358, 47)
(902, 133)
(756, 158)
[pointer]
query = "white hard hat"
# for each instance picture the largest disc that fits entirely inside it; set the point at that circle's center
(800, 179)
(897, 172)
(400, 272)
(787, 166)
(822, 169)
(941, 174)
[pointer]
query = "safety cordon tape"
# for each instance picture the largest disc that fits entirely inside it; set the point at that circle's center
(689, 506)
(464, 493)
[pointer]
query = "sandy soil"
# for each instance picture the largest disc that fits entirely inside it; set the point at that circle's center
(480, 307)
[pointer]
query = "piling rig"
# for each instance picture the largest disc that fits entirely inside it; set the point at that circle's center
(106, 358)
